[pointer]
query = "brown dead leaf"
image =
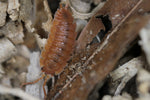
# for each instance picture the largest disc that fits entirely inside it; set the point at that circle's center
(104, 59)
(101, 59)
(115, 10)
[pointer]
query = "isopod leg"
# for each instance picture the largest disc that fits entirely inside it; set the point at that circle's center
(33, 81)
(47, 77)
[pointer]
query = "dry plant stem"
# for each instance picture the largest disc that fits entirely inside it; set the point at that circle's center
(16, 92)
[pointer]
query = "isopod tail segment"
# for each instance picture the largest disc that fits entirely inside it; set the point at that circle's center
(44, 76)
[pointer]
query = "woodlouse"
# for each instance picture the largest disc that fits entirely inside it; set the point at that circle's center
(59, 46)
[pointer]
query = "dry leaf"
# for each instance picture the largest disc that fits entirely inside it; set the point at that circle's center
(103, 59)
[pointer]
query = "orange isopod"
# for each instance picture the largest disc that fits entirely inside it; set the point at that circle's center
(59, 45)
